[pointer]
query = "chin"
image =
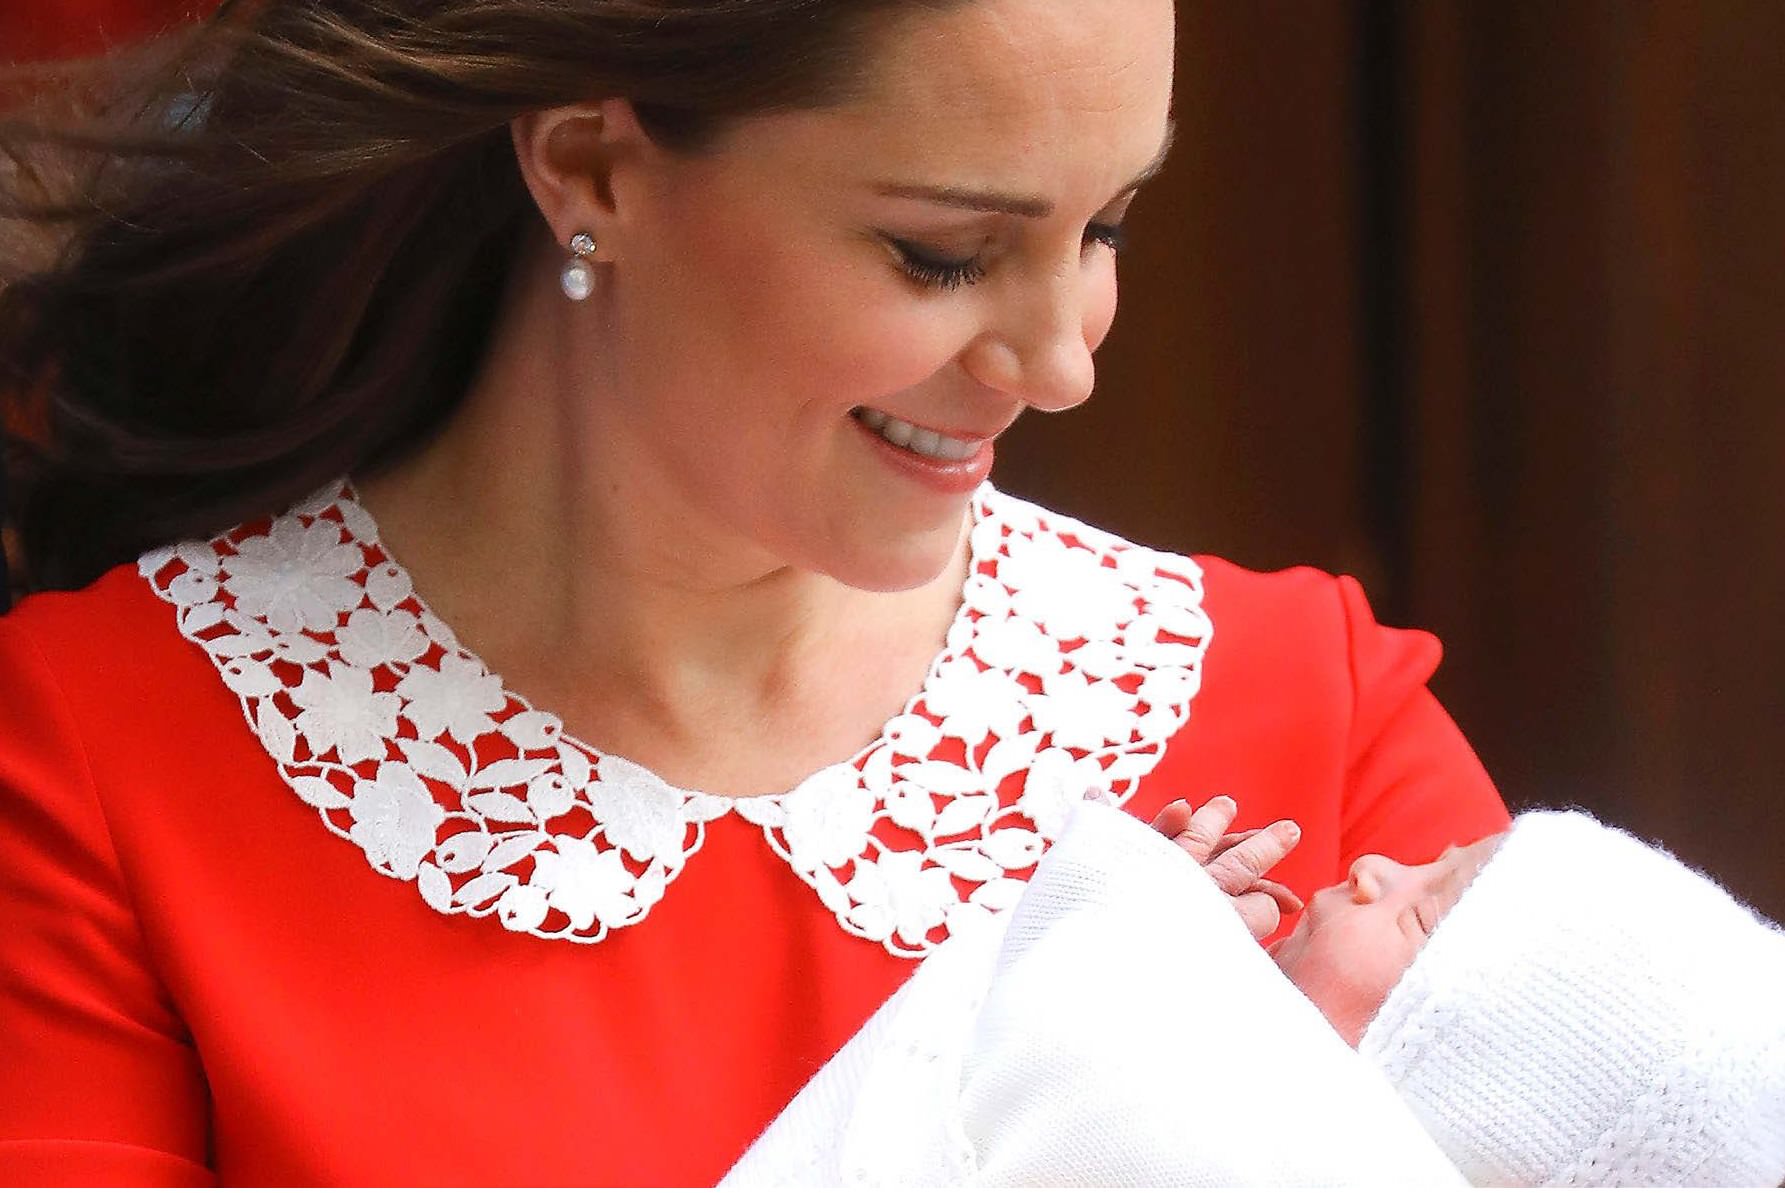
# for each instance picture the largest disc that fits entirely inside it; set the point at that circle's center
(894, 573)
(877, 557)
(1287, 951)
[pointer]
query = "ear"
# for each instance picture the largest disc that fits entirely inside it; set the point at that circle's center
(573, 160)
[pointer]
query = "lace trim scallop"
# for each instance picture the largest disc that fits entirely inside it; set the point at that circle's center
(1070, 665)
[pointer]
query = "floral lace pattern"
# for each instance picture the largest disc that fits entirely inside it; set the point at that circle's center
(1071, 663)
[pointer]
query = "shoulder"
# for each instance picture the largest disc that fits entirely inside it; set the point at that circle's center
(109, 662)
(1299, 622)
(1312, 625)
(56, 651)
(100, 627)
(109, 618)
(1305, 706)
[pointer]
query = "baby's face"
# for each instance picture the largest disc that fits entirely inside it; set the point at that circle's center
(1357, 938)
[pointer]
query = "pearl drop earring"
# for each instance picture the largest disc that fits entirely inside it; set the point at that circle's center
(578, 278)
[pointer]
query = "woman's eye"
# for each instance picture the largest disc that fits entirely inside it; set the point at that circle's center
(935, 271)
(938, 271)
(1112, 235)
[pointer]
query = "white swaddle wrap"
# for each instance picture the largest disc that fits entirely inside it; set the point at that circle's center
(1119, 1027)
(1593, 1013)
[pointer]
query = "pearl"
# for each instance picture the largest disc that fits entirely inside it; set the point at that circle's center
(578, 280)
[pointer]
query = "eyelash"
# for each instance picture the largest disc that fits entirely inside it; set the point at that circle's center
(940, 273)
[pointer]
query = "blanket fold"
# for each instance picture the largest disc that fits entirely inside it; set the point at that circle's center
(1118, 1027)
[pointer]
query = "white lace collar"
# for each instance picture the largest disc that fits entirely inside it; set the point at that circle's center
(1072, 662)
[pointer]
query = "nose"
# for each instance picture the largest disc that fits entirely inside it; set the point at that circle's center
(1039, 349)
(1372, 876)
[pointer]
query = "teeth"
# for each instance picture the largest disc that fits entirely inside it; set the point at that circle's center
(917, 439)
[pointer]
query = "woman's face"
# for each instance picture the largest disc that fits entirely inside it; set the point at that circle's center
(937, 253)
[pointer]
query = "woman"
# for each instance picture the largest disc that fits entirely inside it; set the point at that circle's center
(663, 347)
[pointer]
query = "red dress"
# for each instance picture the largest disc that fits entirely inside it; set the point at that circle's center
(294, 893)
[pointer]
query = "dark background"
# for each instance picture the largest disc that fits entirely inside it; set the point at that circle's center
(1484, 302)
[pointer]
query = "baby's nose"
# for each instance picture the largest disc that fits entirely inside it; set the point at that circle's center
(1371, 877)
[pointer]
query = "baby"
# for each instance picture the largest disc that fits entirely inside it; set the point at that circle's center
(1357, 938)
(1590, 1012)
(1558, 1005)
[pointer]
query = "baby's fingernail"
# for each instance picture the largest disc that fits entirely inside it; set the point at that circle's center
(1293, 831)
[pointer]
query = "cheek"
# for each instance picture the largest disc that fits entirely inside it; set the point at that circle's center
(1347, 970)
(770, 305)
(867, 337)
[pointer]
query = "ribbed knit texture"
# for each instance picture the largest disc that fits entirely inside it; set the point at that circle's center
(1594, 1013)
(1124, 1030)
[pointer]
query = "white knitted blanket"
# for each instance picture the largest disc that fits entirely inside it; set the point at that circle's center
(1593, 1013)
(1120, 1028)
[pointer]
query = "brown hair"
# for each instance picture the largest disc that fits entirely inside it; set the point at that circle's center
(269, 250)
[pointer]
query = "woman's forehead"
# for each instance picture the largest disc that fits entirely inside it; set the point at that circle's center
(1015, 54)
(997, 69)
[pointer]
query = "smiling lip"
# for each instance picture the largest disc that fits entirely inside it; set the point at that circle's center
(951, 477)
(948, 432)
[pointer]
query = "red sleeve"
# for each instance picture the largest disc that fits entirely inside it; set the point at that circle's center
(100, 1083)
(1310, 709)
(1413, 786)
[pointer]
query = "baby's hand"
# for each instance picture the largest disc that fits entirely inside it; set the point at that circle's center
(1238, 862)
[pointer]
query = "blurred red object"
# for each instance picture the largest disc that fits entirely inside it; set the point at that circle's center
(39, 30)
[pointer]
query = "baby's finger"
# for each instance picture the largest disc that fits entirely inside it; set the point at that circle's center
(1231, 839)
(1200, 836)
(1288, 902)
(1259, 912)
(1236, 870)
(1173, 818)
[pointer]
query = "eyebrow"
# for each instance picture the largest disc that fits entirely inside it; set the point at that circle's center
(1027, 206)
